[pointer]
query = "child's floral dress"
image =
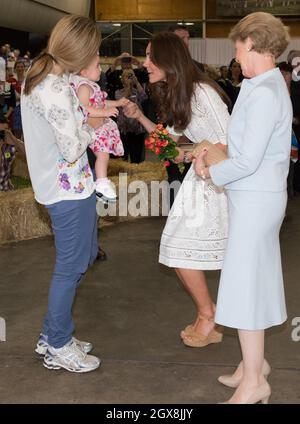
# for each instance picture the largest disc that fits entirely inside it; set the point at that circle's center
(107, 137)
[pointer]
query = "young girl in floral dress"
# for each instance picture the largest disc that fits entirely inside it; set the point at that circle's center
(107, 137)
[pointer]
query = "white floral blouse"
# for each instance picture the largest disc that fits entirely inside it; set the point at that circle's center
(56, 140)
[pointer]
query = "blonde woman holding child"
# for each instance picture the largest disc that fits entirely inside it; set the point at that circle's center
(56, 139)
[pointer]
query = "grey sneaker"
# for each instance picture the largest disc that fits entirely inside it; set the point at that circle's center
(42, 345)
(71, 358)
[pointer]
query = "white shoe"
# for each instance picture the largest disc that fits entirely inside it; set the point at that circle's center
(71, 358)
(42, 345)
(105, 192)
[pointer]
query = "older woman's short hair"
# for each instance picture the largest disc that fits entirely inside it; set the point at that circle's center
(267, 33)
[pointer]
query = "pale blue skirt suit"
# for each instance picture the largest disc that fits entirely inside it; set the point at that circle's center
(251, 291)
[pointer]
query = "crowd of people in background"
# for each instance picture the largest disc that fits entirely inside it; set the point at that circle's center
(13, 68)
(127, 77)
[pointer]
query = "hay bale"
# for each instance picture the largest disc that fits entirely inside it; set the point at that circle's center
(118, 166)
(115, 166)
(21, 216)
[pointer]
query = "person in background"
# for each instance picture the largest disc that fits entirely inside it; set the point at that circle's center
(113, 75)
(183, 33)
(234, 81)
(9, 147)
(56, 139)
(251, 291)
(132, 132)
(7, 155)
(7, 100)
(27, 59)
(223, 72)
(293, 59)
(211, 72)
(224, 82)
(286, 70)
(17, 85)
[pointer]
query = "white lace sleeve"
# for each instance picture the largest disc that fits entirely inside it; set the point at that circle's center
(63, 113)
(209, 116)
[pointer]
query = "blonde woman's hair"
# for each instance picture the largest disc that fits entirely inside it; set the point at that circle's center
(267, 33)
(73, 43)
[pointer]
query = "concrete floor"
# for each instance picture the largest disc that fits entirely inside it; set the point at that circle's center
(132, 310)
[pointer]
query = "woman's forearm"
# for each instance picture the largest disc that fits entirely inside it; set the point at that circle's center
(147, 123)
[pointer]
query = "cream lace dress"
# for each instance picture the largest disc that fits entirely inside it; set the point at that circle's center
(195, 233)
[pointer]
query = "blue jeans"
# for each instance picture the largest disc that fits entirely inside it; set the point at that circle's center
(74, 225)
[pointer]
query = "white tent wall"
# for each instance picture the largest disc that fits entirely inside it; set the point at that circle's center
(39, 16)
(220, 51)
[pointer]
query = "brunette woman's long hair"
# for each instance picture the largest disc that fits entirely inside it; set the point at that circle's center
(73, 43)
(173, 96)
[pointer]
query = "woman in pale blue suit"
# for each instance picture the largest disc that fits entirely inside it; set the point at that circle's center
(251, 293)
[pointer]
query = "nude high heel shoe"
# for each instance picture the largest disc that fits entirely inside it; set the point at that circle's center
(233, 382)
(261, 394)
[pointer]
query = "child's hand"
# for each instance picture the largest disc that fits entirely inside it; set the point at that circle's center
(122, 102)
(110, 111)
(131, 110)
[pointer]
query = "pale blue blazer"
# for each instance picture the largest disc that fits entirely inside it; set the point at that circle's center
(259, 137)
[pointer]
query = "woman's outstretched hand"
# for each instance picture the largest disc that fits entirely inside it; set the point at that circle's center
(131, 110)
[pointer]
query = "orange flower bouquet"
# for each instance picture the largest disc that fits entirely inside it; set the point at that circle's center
(160, 142)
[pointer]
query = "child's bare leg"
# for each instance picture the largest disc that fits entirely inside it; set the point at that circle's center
(105, 190)
(101, 165)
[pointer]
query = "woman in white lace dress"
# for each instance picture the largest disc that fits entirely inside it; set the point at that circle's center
(195, 235)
